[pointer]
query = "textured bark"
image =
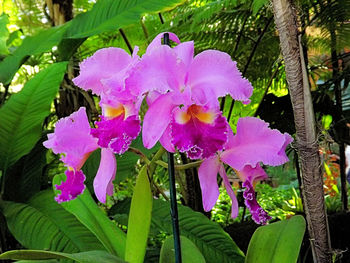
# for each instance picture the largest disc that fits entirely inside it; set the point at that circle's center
(306, 140)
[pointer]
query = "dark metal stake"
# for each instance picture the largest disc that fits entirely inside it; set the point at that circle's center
(173, 203)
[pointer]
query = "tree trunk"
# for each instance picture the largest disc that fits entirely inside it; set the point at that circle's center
(306, 140)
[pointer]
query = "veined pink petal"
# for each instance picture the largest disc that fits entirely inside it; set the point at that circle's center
(117, 133)
(72, 187)
(104, 64)
(215, 71)
(231, 194)
(103, 182)
(72, 138)
(254, 142)
(157, 41)
(198, 131)
(159, 70)
(157, 119)
(207, 174)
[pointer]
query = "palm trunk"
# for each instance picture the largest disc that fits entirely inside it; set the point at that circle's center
(306, 140)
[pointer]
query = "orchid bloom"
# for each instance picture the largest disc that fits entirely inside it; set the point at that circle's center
(104, 74)
(254, 143)
(72, 139)
(183, 94)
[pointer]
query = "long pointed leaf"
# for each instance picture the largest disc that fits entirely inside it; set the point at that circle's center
(88, 213)
(44, 224)
(139, 219)
(22, 116)
(277, 242)
(82, 257)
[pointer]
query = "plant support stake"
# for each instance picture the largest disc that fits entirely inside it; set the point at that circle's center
(173, 203)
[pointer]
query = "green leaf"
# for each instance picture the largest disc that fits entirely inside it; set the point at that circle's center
(212, 241)
(189, 251)
(106, 15)
(44, 224)
(110, 15)
(276, 241)
(24, 178)
(89, 214)
(82, 257)
(33, 45)
(139, 219)
(22, 116)
(257, 4)
(4, 33)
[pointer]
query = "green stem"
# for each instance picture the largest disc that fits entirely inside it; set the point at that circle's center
(180, 167)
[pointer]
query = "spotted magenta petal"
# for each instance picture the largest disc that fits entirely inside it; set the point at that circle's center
(259, 215)
(215, 71)
(198, 131)
(117, 133)
(72, 187)
(72, 139)
(255, 142)
(103, 182)
(103, 65)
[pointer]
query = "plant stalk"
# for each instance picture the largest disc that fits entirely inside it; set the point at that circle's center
(173, 203)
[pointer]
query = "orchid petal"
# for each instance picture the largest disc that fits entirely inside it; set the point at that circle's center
(207, 174)
(231, 194)
(72, 187)
(157, 119)
(104, 64)
(103, 182)
(159, 70)
(213, 70)
(72, 139)
(198, 131)
(252, 174)
(259, 215)
(117, 133)
(254, 142)
(166, 139)
(185, 52)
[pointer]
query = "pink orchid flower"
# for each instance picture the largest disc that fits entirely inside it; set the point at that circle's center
(73, 140)
(183, 94)
(104, 73)
(254, 143)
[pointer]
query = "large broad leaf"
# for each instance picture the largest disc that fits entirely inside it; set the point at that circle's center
(213, 242)
(106, 15)
(88, 213)
(109, 15)
(277, 242)
(189, 251)
(139, 219)
(33, 45)
(82, 257)
(22, 116)
(24, 178)
(44, 224)
(4, 33)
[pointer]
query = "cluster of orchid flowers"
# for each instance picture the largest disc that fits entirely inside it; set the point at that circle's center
(182, 92)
